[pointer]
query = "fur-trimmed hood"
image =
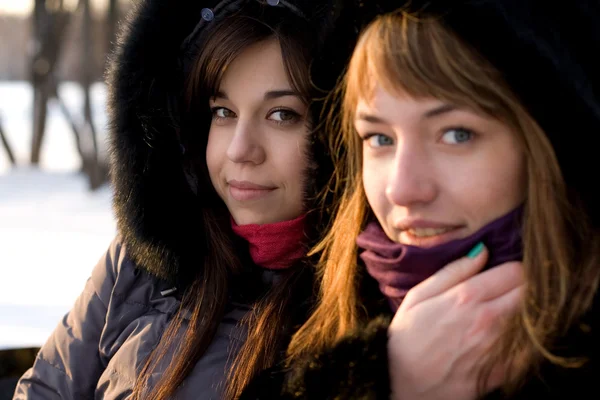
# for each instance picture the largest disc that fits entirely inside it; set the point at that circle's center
(156, 201)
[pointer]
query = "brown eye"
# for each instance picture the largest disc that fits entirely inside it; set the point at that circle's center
(222, 112)
(284, 116)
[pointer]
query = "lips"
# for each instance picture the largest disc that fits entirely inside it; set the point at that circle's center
(246, 185)
(246, 191)
(425, 233)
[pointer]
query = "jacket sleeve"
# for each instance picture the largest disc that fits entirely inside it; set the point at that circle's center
(355, 368)
(69, 364)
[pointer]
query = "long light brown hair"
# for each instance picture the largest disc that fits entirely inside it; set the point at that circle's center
(269, 320)
(419, 56)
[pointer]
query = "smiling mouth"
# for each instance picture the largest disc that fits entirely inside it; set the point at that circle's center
(429, 237)
(427, 232)
(246, 185)
(244, 191)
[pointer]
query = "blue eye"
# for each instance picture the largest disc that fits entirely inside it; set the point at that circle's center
(457, 136)
(378, 140)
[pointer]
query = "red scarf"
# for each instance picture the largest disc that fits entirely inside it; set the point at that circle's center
(274, 246)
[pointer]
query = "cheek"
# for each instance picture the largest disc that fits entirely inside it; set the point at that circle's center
(289, 166)
(508, 179)
(489, 186)
(214, 158)
(375, 177)
(514, 181)
(291, 158)
(215, 153)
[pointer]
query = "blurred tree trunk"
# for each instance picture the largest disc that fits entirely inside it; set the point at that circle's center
(90, 148)
(49, 26)
(50, 21)
(39, 68)
(6, 145)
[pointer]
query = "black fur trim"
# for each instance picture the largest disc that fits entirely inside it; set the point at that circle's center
(356, 368)
(155, 209)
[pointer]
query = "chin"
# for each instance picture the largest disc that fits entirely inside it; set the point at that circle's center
(245, 220)
(248, 218)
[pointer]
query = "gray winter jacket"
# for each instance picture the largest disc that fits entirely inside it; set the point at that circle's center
(117, 320)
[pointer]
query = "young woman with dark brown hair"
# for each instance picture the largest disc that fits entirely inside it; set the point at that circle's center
(216, 161)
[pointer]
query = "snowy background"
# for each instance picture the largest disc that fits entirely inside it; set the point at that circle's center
(53, 229)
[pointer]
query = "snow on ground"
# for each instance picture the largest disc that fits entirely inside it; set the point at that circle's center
(53, 230)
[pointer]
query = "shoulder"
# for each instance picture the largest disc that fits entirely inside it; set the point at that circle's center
(116, 279)
(355, 368)
(113, 266)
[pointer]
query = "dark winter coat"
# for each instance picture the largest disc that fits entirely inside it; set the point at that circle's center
(546, 52)
(134, 291)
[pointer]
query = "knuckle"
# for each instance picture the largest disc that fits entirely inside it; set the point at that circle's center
(465, 295)
(409, 299)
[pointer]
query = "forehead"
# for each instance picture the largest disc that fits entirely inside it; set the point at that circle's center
(258, 67)
(382, 101)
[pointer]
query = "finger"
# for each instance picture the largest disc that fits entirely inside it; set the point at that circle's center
(490, 318)
(494, 282)
(446, 278)
(506, 305)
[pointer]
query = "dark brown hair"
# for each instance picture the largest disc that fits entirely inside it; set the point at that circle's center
(270, 318)
(422, 58)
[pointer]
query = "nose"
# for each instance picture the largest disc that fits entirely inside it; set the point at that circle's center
(246, 144)
(412, 180)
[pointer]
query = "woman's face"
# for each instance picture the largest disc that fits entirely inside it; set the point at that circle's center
(257, 144)
(434, 172)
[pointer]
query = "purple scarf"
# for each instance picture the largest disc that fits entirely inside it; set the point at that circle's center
(399, 267)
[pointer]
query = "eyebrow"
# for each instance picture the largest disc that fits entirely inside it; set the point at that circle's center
(370, 118)
(443, 109)
(270, 95)
(274, 94)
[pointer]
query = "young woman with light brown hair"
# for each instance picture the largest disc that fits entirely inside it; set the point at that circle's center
(465, 209)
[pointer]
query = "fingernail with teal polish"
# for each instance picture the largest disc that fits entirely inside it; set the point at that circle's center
(476, 250)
